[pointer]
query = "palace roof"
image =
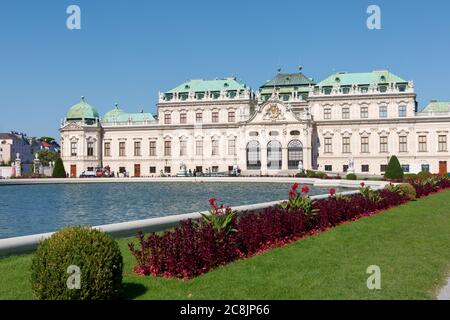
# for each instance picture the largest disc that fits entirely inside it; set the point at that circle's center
(229, 84)
(119, 115)
(288, 80)
(362, 78)
(437, 106)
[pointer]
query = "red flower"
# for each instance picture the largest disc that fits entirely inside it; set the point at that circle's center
(295, 186)
(292, 193)
(305, 189)
(332, 191)
(362, 184)
(212, 201)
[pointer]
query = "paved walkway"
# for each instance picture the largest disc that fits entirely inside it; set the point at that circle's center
(445, 292)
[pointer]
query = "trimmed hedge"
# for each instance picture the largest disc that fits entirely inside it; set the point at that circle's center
(97, 256)
(394, 170)
(58, 170)
(351, 176)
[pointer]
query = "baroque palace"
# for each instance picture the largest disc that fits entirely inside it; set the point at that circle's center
(290, 123)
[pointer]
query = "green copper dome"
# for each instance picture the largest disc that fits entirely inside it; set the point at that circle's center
(113, 114)
(82, 110)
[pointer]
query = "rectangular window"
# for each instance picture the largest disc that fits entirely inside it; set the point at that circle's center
(345, 168)
(137, 148)
(365, 168)
(121, 149)
(328, 167)
(215, 116)
(232, 147)
(327, 113)
(90, 149)
(425, 167)
(183, 118)
(346, 145)
(422, 143)
(328, 145)
(442, 143)
(183, 148)
(364, 112)
(107, 149)
(403, 144)
(166, 169)
(152, 148)
(152, 169)
(383, 112)
(167, 118)
(405, 168)
(364, 144)
(199, 117)
(231, 116)
(167, 148)
(345, 113)
(199, 148)
(383, 168)
(73, 149)
(383, 144)
(215, 169)
(215, 147)
(402, 111)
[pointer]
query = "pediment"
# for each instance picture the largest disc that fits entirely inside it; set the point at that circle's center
(273, 111)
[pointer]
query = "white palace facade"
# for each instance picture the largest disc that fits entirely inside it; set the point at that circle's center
(290, 122)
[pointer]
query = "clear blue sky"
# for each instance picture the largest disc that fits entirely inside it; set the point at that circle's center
(127, 51)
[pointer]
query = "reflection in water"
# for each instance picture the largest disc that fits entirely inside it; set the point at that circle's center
(31, 209)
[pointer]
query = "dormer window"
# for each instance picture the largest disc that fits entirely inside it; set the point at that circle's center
(338, 80)
(225, 85)
(383, 79)
(186, 87)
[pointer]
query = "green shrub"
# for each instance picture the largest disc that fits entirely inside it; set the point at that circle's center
(321, 175)
(394, 170)
(94, 252)
(58, 170)
(310, 174)
(409, 176)
(351, 176)
(300, 175)
(407, 189)
(423, 175)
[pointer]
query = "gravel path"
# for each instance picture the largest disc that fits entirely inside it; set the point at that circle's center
(445, 292)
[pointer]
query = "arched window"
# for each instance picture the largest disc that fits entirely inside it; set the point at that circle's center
(274, 155)
(253, 156)
(295, 154)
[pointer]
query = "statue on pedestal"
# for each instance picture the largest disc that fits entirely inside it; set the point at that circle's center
(301, 169)
(37, 164)
(183, 170)
(351, 166)
(18, 165)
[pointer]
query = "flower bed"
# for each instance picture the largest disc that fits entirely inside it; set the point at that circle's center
(195, 247)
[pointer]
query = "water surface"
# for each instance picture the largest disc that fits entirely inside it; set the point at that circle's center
(31, 209)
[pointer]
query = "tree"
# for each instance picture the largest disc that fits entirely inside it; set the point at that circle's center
(394, 170)
(58, 170)
(46, 156)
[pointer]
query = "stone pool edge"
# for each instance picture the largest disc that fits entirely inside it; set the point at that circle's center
(24, 244)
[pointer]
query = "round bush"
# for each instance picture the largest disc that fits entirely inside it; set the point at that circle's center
(410, 176)
(351, 176)
(408, 190)
(394, 170)
(96, 255)
(422, 175)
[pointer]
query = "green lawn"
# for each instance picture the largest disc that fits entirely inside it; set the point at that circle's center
(409, 243)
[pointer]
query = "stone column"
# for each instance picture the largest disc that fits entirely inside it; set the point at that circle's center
(263, 147)
(284, 158)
